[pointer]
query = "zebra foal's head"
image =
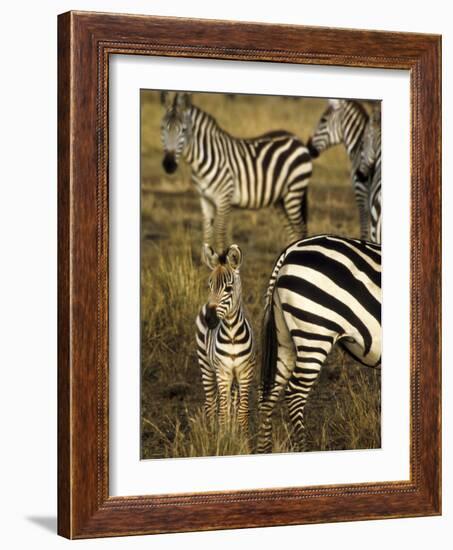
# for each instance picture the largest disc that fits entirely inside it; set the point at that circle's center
(329, 130)
(224, 283)
(176, 128)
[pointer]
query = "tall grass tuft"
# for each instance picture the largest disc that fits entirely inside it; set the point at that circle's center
(170, 298)
(203, 438)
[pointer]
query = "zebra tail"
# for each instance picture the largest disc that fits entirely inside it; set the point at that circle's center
(269, 351)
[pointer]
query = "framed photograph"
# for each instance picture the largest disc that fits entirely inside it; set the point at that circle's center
(249, 275)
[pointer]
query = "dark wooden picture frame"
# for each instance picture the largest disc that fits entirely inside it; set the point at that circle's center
(85, 42)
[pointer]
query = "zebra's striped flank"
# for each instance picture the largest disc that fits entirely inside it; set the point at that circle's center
(225, 345)
(344, 121)
(323, 290)
(269, 170)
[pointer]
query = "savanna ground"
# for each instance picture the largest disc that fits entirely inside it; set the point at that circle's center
(343, 411)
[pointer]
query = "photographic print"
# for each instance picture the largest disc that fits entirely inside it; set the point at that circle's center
(260, 274)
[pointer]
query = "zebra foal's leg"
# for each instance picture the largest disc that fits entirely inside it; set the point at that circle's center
(224, 383)
(244, 382)
(210, 391)
(310, 356)
(208, 376)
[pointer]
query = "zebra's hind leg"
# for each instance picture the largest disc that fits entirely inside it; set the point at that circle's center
(291, 233)
(223, 209)
(361, 197)
(208, 211)
(285, 365)
(293, 206)
(311, 355)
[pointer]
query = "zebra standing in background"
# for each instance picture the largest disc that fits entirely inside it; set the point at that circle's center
(370, 171)
(344, 121)
(225, 345)
(323, 290)
(254, 173)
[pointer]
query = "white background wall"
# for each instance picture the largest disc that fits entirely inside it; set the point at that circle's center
(28, 123)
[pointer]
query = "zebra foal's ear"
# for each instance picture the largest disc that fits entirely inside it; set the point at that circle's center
(209, 257)
(234, 256)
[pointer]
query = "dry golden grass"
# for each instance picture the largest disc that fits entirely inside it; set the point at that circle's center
(343, 411)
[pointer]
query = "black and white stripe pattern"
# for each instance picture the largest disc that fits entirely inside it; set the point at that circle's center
(344, 121)
(225, 345)
(272, 169)
(323, 290)
(370, 171)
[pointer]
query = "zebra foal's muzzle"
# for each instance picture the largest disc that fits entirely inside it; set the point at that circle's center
(211, 317)
(169, 163)
(314, 153)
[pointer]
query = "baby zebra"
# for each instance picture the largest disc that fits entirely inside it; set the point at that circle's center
(225, 346)
(323, 290)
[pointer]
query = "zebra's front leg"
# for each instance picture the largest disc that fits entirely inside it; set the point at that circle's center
(243, 407)
(224, 394)
(245, 379)
(210, 390)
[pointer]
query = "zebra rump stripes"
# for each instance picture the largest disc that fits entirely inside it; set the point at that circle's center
(323, 290)
(228, 172)
(225, 346)
(344, 121)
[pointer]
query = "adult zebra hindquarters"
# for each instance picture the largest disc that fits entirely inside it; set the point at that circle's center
(323, 290)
